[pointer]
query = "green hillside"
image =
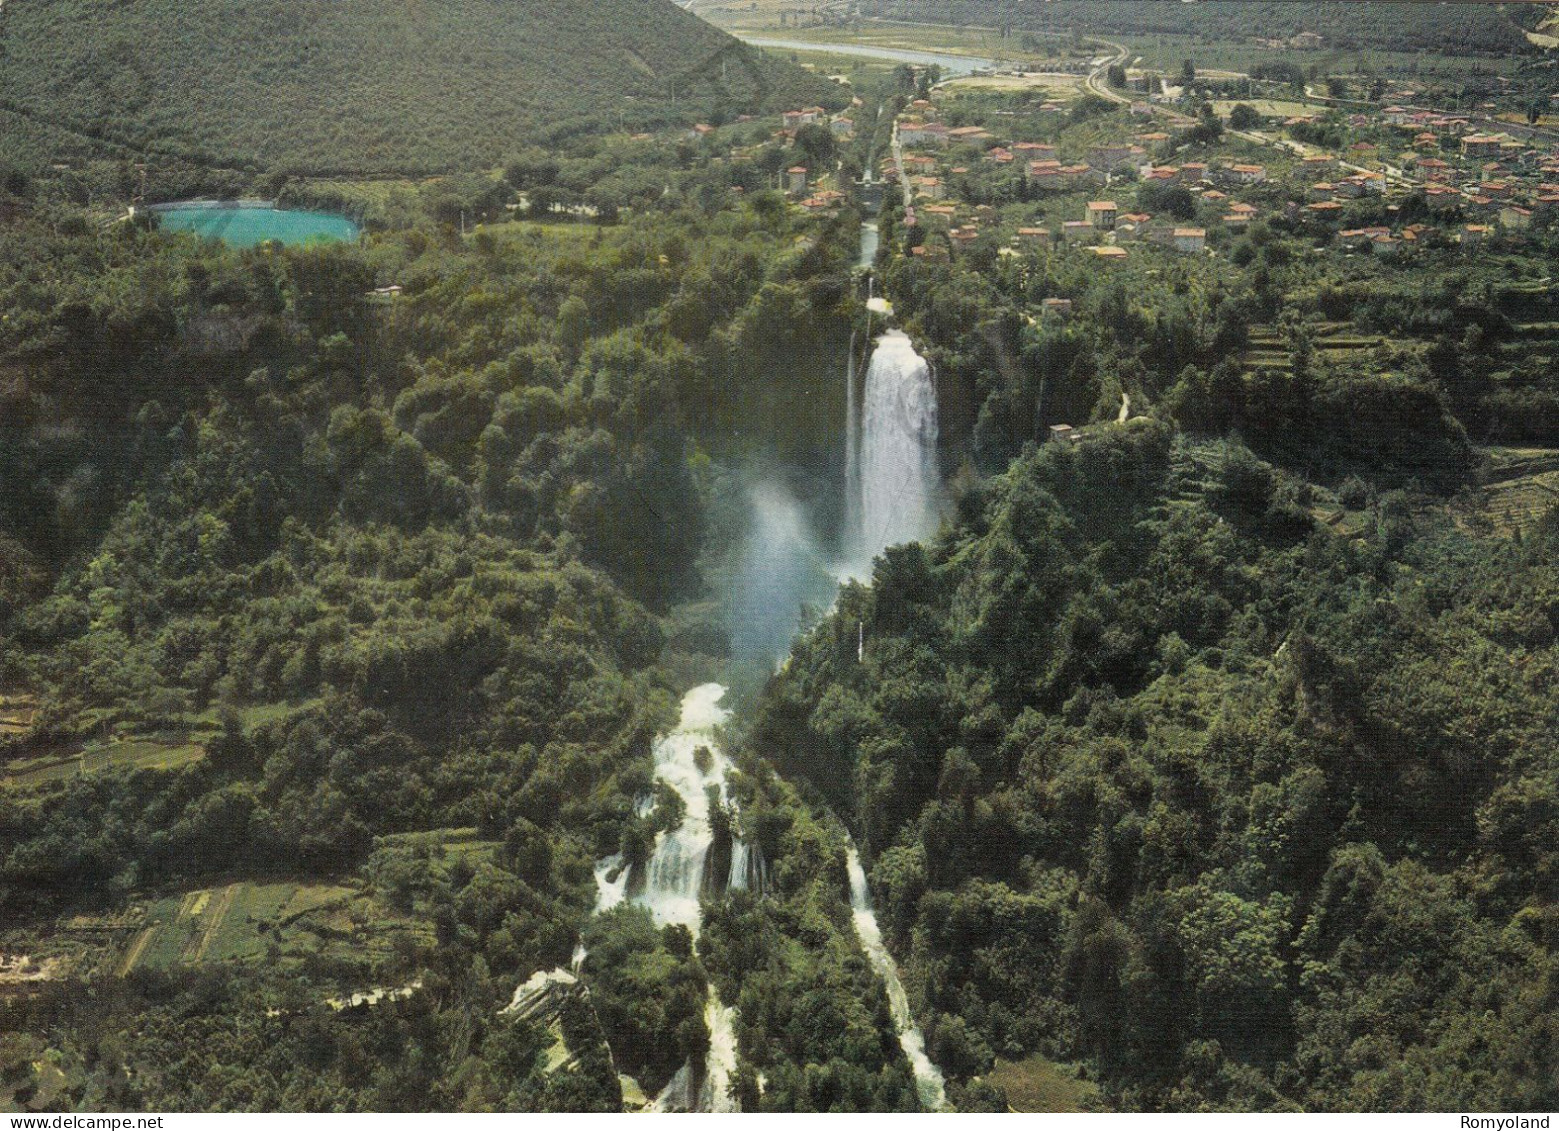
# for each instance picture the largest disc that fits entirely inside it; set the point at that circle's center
(372, 85)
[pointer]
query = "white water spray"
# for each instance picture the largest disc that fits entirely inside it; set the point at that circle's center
(715, 1095)
(690, 761)
(611, 882)
(780, 569)
(928, 1078)
(900, 485)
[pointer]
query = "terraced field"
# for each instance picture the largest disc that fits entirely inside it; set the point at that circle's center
(17, 710)
(237, 922)
(94, 758)
(267, 921)
(67, 760)
(1334, 341)
(1524, 484)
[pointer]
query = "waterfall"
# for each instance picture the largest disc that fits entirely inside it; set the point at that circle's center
(899, 481)
(611, 882)
(715, 1095)
(691, 762)
(749, 870)
(928, 1078)
(852, 453)
(677, 1095)
(741, 860)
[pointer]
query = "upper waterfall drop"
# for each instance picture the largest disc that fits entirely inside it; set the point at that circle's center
(899, 482)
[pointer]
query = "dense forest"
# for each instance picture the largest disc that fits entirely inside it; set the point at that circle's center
(370, 86)
(1208, 762)
(400, 589)
(1159, 773)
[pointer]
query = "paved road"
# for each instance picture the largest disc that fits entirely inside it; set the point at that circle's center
(1098, 78)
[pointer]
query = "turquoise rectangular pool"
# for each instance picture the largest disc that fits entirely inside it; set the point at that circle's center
(248, 225)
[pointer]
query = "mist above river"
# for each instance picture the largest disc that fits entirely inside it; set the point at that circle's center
(784, 576)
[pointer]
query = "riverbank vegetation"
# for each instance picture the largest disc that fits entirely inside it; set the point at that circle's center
(393, 533)
(1207, 751)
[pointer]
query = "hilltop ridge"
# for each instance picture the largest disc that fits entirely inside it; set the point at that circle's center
(360, 86)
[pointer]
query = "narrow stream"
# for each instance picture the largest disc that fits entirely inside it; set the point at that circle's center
(928, 1078)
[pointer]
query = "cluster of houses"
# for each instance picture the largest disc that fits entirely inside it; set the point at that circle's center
(841, 125)
(799, 186)
(1492, 177)
(798, 180)
(1501, 185)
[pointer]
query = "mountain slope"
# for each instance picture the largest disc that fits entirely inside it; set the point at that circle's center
(372, 85)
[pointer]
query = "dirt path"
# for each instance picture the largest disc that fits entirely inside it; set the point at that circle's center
(137, 948)
(217, 914)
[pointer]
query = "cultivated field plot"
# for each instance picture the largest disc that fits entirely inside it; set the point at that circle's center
(275, 922)
(17, 710)
(1523, 486)
(266, 922)
(1331, 340)
(1271, 108)
(78, 946)
(94, 758)
(184, 743)
(1054, 85)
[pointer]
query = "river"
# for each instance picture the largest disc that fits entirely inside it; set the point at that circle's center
(952, 65)
(893, 488)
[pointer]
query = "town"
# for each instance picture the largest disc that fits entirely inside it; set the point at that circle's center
(1024, 173)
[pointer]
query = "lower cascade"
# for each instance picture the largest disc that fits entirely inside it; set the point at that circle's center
(928, 1078)
(678, 872)
(899, 483)
(716, 1093)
